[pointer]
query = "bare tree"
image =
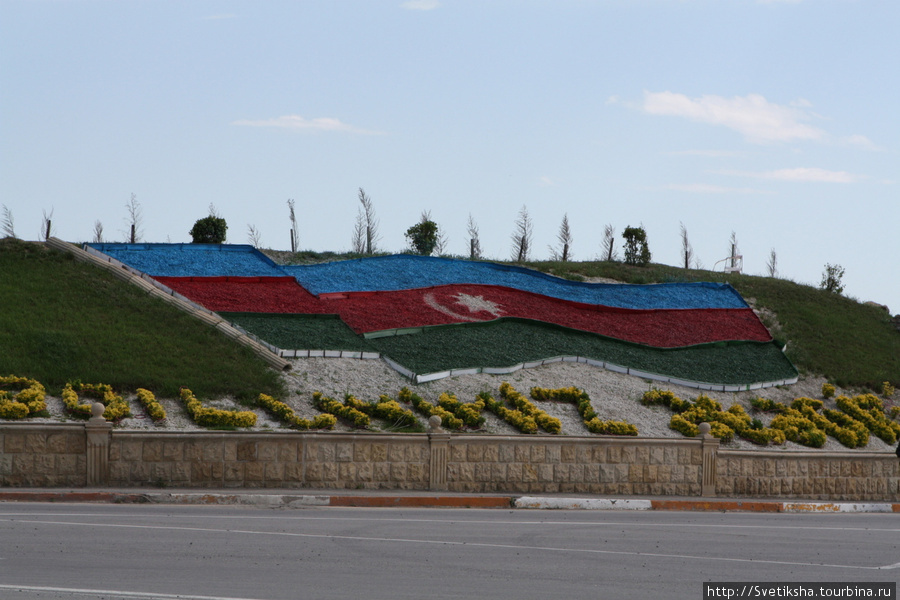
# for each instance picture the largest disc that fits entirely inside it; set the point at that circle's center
(474, 242)
(522, 236)
(733, 249)
(369, 221)
(772, 264)
(47, 225)
(609, 244)
(9, 225)
(565, 241)
(134, 220)
(253, 236)
(98, 232)
(687, 251)
(358, 244)
(295, 235)
(440, 244)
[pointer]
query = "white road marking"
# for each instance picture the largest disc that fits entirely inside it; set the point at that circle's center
(118, 593)
(288, 517)
(453, 543)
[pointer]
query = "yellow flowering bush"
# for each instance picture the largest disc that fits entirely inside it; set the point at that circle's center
(285, 413)
(799, 429)
(214, 417)
(666, 398)
(869, 410)
(116, 407)
(383, 408)
(329, 405)
(724, 424)
(148, 401)
(468, 412)
(589, 416)
(827, 390)
(448, 419)
(887, 390)
(29, 400)
(516, 418)
(843, 428)
(522, 404)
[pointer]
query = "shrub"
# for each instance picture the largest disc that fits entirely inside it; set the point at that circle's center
(869, 410)
(469, 413)
(827, 390)
(887, 390)
(346, 412)
(636, 250)
(522, 404)
(209, 230)
(154, 409)
(213, 417)
(285, 413)
(116, 407)
(588, 414)
(448, 419)
(516, 418)
(29, 400)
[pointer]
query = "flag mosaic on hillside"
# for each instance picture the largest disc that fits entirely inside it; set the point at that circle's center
(418, 311)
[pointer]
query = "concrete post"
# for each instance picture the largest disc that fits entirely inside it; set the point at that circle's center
(98, 435)
(439, 443)
(708, 469)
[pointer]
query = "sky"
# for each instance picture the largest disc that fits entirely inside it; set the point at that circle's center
(773, 121)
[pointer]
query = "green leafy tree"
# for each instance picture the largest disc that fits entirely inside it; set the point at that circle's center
(209, 230)
(832, 278)
(423, 236)
(636, 250)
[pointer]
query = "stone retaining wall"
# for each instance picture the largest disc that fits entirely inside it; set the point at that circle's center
(64, 455)
(34, 455)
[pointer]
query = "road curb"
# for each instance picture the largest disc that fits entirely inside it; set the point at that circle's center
(383, 500)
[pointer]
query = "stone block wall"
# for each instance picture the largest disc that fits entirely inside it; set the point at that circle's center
(57, 455)
(34, 455)
(275, 460)
(591, 465)
(859, 476)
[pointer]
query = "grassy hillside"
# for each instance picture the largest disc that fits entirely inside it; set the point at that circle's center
(851, 343)
(61, 320)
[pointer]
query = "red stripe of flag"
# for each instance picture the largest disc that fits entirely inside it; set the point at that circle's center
(367, 312)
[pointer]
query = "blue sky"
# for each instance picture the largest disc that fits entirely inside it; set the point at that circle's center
(775, 120)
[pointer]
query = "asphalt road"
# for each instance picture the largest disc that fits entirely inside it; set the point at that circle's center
(113, 552)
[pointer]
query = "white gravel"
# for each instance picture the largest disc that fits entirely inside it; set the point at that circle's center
(613, 395)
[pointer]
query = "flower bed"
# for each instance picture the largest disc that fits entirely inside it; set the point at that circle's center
(514, 341)
(528, 316)
(383, 311)
(403, 271)
(193, 260)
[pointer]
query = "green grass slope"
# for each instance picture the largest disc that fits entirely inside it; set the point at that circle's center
(851, 343)
(62, 320)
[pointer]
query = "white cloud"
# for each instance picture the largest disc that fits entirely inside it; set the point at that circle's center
(800, 174)
(705, 188)
(861, 141)
(545, 181)
(298, 123)
(421, 4)
(757, 119)
(707, 153)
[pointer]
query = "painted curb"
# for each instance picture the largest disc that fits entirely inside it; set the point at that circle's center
(582, 503)
(437, 501)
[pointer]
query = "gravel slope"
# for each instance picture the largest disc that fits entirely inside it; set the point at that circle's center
(613, 395)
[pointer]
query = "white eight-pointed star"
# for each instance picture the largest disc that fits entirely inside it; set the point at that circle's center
(478, 304)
